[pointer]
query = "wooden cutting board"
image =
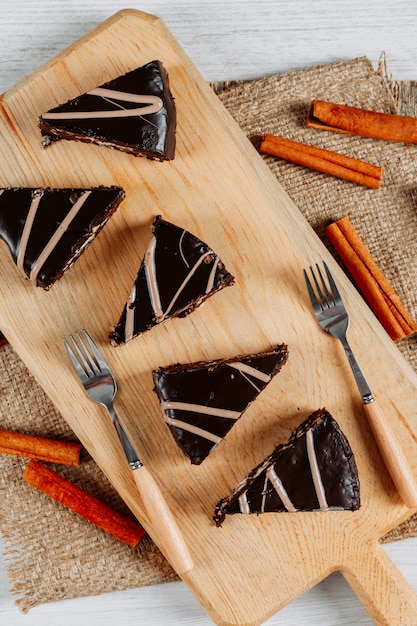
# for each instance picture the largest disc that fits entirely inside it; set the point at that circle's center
(219, 188)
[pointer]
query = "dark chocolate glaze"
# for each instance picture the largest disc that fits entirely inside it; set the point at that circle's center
(177, 251)
(53, 207)
(213, 384)
(151, 135)
(291, 464)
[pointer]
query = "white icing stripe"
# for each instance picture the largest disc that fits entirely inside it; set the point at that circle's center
(212, 276)
(199, 408)
(181, 251)
(36, 198)
(58, 234)
(154, 103)
(130, 315)
(315, 472)
(252, 371)
(243, 503)
(264, 494)
(279, 488)
(185, 281)
(192, 429)
(150, 272)
(250, 382)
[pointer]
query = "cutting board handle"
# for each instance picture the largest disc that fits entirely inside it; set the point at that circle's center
(382, 589)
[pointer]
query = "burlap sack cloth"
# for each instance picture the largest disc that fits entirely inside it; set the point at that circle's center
(53, 554)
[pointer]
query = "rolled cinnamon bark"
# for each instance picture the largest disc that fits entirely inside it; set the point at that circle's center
(40, 448)
(67, 493)
(354, 121)
(322, 160)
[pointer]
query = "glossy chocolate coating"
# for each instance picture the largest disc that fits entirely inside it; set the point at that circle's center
(151, 135)
(54, 206)
(176, 253)
(229, 385)
(291, 464)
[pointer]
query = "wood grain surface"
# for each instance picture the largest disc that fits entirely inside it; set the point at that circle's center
(220, 189)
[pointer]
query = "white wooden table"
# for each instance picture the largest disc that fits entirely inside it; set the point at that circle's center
(237, 39)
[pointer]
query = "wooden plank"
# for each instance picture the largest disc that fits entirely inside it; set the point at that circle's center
(219, 188)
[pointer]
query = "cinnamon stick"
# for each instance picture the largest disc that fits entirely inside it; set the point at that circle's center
(375, 288)
(90, 508)
(41, 448)
(355, 121)
(325, 161)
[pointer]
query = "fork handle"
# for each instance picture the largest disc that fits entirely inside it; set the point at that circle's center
(392, 454)
(157, 509)
(163, 521)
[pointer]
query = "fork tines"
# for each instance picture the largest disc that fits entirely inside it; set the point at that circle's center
(322, 297)
(84, 354)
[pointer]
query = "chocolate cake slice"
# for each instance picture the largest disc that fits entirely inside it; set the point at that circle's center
(177, 274)
(314, 471)
(134, 113)
(47, 229)
(202, 401)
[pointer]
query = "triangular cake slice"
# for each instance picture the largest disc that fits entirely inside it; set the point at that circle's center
(202, 401)
(47, 229)
(314, 471)
(134, 113)
(177, 274)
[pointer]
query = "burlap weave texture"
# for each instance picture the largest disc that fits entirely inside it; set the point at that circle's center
(51, 553)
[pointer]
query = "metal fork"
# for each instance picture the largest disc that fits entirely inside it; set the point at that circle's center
(101, 387)
(333, 318)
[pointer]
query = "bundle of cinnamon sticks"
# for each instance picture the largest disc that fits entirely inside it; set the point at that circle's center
(370, 280)
(62, 490)
(340, 118)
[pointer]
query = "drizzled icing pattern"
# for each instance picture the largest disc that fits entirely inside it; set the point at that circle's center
(314, 471)
(153, 104)
(201, 402)
(279, 488)
(151, 273)
(37, 196)
(134, 112)
(57, 236)
(167, 407)
(47, 229)
(272, 478)
(178, 272)
(191, 428)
